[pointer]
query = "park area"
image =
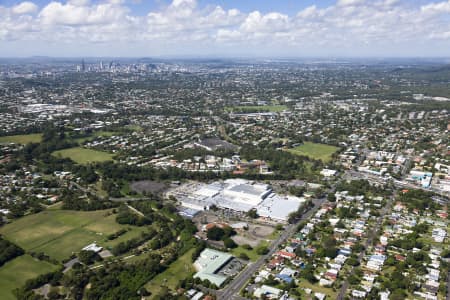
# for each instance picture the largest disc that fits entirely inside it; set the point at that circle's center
(21, 139)
(84, 156)
(16, 272)
(59, 233)
(315, 151)
(177, 271)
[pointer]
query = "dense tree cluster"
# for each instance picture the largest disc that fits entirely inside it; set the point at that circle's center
(88, 257)
(8, 251)
(114, 281)
(26, 292)
(124, 247)
(252, 213)
(285, 164)
(360, 187)
(418, 199)
(126, 216)
(75, 200)
(217, 233)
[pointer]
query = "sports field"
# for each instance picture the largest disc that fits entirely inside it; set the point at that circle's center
(314, 150)
(15, 273)
(21, 139)
(178, 270)
(256, 108)
(84, 156)
(59, 233)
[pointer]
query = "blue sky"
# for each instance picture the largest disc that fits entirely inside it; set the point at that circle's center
(282, 28)
(143, 6)
(284, 6)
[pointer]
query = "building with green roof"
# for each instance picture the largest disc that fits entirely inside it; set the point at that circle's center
(209, 263)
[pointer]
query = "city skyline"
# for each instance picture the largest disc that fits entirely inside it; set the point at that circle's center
(189, 28)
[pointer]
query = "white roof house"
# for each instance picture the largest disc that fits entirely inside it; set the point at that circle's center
(93, 247)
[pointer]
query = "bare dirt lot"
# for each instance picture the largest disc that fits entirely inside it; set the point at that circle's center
(148, 186)
(253, 236)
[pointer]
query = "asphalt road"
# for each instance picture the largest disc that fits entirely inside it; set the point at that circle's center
(231, 290)
(352, 174)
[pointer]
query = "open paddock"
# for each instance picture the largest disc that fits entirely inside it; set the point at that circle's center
(315, 151)
(16, 272)
(21, 139)
(84, 156)
(59, 233)
(177, 271)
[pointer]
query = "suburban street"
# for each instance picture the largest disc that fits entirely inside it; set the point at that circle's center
(368, 242)
(231, 291)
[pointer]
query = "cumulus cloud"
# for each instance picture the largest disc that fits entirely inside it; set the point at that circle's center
(436, 8)
(80, 13)
(349, 2)
(259, 23)
(345, 26)
(25, 8)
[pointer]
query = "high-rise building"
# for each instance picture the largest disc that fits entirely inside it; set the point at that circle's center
(83, 65)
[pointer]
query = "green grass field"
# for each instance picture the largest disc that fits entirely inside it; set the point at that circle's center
(59, 233)
(15, 273)
(314, 150)
(250, 253)
(177, 271)
(21, 139)
(83, 156)
(316, 288)
(256, 108)
(133, 127)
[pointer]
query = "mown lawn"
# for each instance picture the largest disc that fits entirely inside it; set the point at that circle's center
(59, 233)
(252, 255)
(22, 138)
(178, 270)
(315, 151)
(16, 272)
(316, 288)
(83, 156)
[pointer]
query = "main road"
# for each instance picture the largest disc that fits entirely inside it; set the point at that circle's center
(231, 290)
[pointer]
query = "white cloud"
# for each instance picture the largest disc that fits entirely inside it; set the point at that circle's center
(79, 13)
(79, 2)
(359, 26)
(271, 22)
(309, 12)
(25, 8)
(349, 2)
(436, 8)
